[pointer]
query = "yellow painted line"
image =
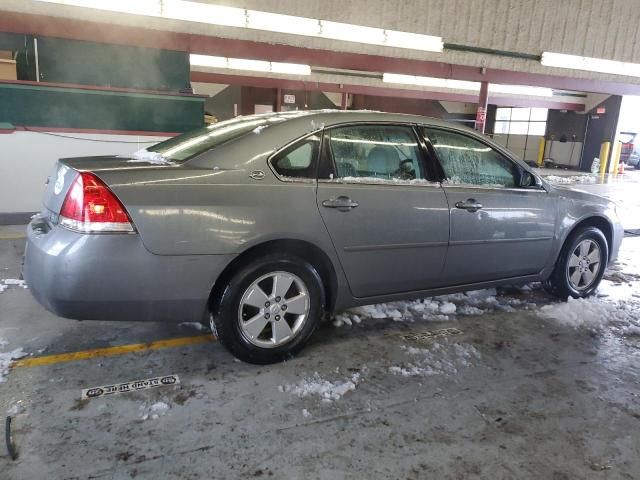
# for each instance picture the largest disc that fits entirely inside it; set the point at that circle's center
(111, 351)
(13, 236)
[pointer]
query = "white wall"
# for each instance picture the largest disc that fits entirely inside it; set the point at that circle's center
(629, 120)
(26, 159)
(525, 146)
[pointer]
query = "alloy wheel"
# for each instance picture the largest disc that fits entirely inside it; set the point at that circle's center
(584, 265)
(273, 309)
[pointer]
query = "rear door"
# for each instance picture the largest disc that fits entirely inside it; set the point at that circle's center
(388, 221)
(498, 229)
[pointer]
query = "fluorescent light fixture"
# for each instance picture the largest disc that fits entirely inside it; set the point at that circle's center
(276, 22)
(290, 68)
(417, 41)
(520, 90)
(429, 81)
(465, 85)
(137, 7)
(563, 60)
(351, 33)
(271, 22)
(204, 13)
(208, 61)
(250, 65)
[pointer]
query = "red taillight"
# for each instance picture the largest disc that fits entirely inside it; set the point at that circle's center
(91, 207)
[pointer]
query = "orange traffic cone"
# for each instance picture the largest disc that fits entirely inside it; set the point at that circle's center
(621, 168)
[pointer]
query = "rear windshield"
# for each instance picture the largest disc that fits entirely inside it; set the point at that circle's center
(188, 145)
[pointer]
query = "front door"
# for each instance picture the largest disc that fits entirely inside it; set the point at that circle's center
(498, 229)
(388, 222)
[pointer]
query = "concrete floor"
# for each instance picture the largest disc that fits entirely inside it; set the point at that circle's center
(508, 393)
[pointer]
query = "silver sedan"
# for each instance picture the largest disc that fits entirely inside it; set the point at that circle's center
(261, 224)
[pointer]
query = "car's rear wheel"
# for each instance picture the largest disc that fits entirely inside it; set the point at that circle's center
(581, 265)
(269, 308)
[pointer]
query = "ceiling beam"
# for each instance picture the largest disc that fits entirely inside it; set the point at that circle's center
(31, 24)
(287, 84)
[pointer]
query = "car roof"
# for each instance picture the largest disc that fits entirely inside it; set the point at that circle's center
(329, 118)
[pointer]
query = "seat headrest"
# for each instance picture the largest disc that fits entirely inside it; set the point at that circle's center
(384, 160)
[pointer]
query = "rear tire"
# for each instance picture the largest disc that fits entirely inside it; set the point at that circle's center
(269, 309)
(580, 266)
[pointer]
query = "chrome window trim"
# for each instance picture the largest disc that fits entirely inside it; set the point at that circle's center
(497, 189)
(339, 181)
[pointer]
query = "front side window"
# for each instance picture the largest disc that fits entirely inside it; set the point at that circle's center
(466, 160)
(375, 153)
(298, 160)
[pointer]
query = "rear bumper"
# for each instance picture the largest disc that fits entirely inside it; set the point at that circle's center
(114, 277)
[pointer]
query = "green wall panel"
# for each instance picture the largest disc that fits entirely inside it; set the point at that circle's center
(25, 105)
(91, 63)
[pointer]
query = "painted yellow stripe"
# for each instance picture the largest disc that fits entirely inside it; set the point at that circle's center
(13, 236)
(111, 351)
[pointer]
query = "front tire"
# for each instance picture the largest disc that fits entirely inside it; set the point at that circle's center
(269, 309)
(581, 265)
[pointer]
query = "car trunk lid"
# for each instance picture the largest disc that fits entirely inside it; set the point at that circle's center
(66, 170)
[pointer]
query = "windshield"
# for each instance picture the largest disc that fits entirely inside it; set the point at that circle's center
(190, 144)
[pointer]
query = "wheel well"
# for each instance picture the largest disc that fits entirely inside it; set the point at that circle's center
(306, 250)
(601, 224)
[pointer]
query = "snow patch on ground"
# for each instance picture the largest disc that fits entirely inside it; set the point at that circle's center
(616, 304)
(327, 390)
(6, 282)
(15, 409)
(6, 358)
(440, 308)
(632, 331)
(153, 411)
(194, 325)
(595, 313)
(440, 358)
(565, 179)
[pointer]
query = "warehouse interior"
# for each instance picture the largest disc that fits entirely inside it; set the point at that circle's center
(502, 382)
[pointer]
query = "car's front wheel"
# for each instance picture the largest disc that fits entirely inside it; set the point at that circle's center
(581, 265)
(269, 308)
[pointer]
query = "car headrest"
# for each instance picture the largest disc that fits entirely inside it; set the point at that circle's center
(383, 160)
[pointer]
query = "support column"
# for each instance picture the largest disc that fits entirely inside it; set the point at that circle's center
(278, 100)
(483, 102)
(343, 103)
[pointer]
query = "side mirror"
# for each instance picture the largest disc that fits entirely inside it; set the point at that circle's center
(528, 179)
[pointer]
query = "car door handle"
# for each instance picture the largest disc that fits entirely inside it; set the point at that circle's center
(342, 203)
(469, 205)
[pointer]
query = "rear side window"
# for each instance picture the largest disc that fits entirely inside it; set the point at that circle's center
(299, 160)
(188, 145)
(375, 152)
(466, 160)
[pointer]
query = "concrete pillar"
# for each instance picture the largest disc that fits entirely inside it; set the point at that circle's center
(343, 103)
(483, 102)
(278, 100)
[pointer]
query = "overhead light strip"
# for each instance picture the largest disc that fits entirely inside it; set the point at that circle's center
(267, 21)
(563, 60)
(465, 85)
(250, 65)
